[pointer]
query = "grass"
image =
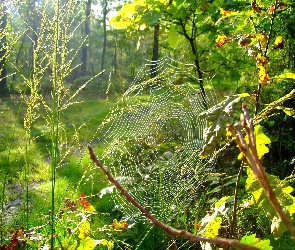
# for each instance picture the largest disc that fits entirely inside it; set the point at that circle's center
(74, 174)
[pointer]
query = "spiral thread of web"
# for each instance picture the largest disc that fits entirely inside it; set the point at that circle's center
(154, 139)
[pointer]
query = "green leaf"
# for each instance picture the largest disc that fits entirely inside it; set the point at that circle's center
(181, 13)
(151, 17)
(234, 75)
(282, 191)
(259, 243)
(172, 37)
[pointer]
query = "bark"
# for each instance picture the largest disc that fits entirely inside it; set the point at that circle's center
(104, 21)
(192, 41)
(3, 51)
(155, 51)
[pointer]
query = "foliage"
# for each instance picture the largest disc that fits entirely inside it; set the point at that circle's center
(240, 47)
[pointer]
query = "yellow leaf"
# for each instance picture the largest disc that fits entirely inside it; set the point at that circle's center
(221, 40)
(261, 140)
(279, 41)
(109, 244)
(127, 10)
(226, 13)
(213, 227)
(261, 37)
(291, 208)
(87, 244)
(262, 75)
(89, 209)
(286, 75)
(120, 23)
(244, 95)
(84, 229)
(119, 225)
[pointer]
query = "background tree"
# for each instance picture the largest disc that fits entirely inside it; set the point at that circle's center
(105, 11)
(86, 34)
(3, 49)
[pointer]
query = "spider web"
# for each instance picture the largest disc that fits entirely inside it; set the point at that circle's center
(154, 137)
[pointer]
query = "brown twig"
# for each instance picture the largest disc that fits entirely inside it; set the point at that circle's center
(169, 230)
(251, 158)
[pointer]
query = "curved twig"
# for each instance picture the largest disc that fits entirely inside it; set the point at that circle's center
(169, 230)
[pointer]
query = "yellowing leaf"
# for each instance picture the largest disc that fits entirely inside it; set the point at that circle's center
(221, 40)
(261, 59)
(289, 111)
(84, 229)
(245, 41)
(124, 17)
(261, 37)
(226, 13)
(87, 207)
(120, 23)
(87, 244)
(262, 74)
(119, 225)
(244, 95)
(259, 243)
(279, 43)
(261, 140)
(109, 244)
(286, 75)
(291, 208)
(213, 227)
(127, 10)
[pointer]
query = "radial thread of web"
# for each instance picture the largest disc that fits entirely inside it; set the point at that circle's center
(154, 140)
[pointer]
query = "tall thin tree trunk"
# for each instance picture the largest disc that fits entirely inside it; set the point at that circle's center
(104, 21)
(3, 50)
(86, 33)
(155, 51)
(115, 52)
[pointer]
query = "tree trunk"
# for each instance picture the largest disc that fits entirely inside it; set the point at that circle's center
(155, 51)
(115, 52)
(104, 21)
(3, 24)
(86, 32)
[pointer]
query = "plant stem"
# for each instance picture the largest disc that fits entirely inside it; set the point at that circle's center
(232, 224)
(265, 53)
(54, 122)
(251, 158)
(169, 230)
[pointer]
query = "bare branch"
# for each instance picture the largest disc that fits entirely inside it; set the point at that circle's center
(169, 230)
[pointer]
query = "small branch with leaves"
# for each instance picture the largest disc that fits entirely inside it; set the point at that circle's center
(250, 157)
(169, 230)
